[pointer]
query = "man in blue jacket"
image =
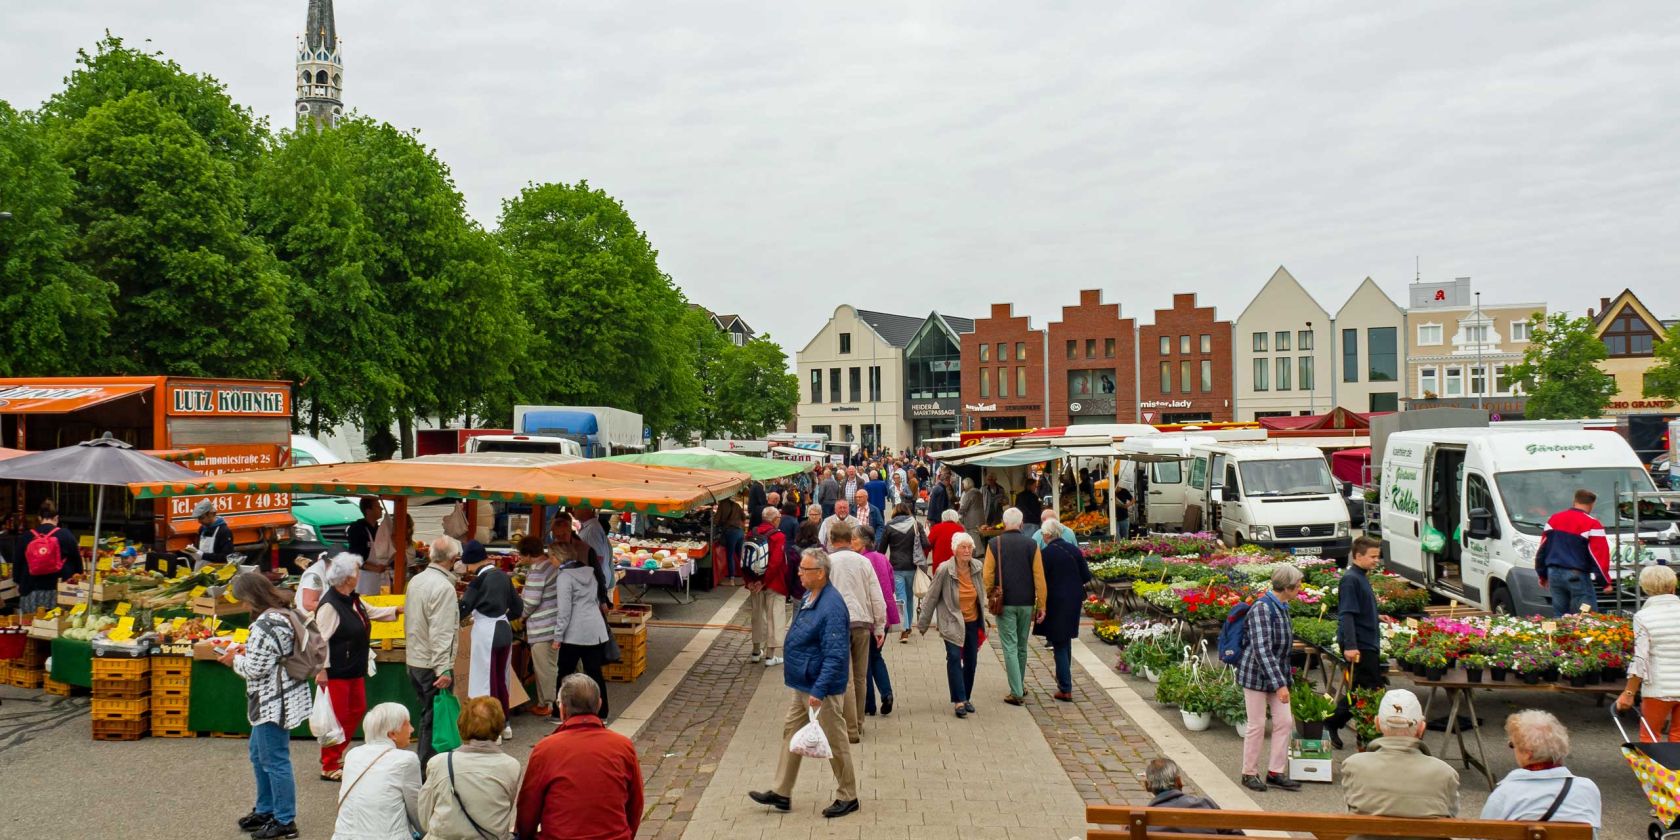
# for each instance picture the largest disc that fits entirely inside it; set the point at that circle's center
(817, 650)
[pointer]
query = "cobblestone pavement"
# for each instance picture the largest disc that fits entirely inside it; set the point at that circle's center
(683, 743)
(922, 773)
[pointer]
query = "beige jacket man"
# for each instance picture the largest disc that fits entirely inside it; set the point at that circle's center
(1395, 779)
(853, 578)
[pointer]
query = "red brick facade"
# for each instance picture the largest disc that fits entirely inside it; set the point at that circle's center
(1193, 334)
(1092, 361)
(994, 350)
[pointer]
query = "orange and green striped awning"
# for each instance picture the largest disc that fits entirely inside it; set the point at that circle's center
(607, 485)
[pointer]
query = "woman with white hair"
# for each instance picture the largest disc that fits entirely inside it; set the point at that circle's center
(380, 796)
(1541, 788)
(347, 625)
(1655, 669)
(953, 602)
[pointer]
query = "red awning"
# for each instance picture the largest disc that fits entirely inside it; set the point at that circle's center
(63, 399)
(1340, 418)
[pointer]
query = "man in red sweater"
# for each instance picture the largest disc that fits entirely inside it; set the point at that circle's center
(583, 781)
(1574, 556)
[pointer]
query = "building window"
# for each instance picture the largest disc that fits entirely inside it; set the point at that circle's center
(1261, 373)
(1305, 380)
(875, 383)
(1628, 335)
(1003, 351)
(1073, 349)
(1383, 354)
(845, 342)
(1207, 375)
(1166, 377)
(834, 384)
(1207, 343)
(825, 431)
(1184, 376)
(985, 352)
(1429, 334)
(816, 385)
(1021, 381)
(1304, 340)
(985, 382)
(1521, 330)
(1428, 384)
(1108, 348)
(846, 433)
(1184, 344)
(1281, 370)
(1090, 348)
(1385, 402)
(1478, 381)
(1350, 355)
(1280, 340)
(1003, 382)
(855, 379)
(1477, 334)
(1166, 345)
(1020, 351)
(1455, 382)
(1259, 342)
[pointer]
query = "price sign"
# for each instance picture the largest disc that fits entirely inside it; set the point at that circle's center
(78, 609)
(199, 590)
(123, 608)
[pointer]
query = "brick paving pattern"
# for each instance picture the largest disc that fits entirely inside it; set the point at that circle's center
(681, 747)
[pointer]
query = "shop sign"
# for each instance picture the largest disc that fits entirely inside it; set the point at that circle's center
(1501, 405)
(220, 459)
(1102, 406)
(845, 408)
(1634, 404)
(933, 408)
(210, 400)
(1164, 404)
(980, 407)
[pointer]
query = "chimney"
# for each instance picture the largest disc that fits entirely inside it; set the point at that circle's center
(1603, 304)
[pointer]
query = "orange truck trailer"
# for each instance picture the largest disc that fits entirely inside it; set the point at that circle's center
(228, 425)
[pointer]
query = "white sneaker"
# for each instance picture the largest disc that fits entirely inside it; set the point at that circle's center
(772, 662)
(755, 657)
(507, 733)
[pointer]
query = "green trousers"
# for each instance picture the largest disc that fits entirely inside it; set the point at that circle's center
(1015, 630)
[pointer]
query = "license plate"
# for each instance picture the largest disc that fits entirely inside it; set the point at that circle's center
(1309, 549)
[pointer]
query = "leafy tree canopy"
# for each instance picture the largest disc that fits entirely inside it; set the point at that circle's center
(1559, 371)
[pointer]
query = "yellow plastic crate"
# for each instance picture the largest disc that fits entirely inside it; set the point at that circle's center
(167, 682)
(172, 666)
(55, 688)
(135, 709)
(628, 671)
(26, 677)
(171, 702)
(120, 730)
(121, 667)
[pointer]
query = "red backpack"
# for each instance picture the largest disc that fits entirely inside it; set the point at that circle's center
(45, 556)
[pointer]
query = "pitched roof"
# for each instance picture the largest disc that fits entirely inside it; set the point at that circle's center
(957, 325)
(896, 330)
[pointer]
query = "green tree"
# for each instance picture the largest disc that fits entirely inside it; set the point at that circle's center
(1559, 371)
(57, 315)
(758, 393)
(162, 218)
(607, 326)
(1663, 378)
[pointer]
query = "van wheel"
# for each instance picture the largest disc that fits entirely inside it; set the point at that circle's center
(1502, 602)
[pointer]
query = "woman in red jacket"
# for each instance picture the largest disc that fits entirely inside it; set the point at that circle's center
(940, 536)
(767, 589)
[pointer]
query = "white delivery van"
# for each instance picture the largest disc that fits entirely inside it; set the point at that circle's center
(531, 444)
(1160, 472)
(1268, 494)
(1488, 493)
(1157, 489)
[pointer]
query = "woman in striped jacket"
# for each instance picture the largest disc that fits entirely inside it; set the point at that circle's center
(541, 597)
(1263, 673)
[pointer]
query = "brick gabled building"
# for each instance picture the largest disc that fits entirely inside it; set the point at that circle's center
(1092, 363)
(1003, 372)
(1184, 365)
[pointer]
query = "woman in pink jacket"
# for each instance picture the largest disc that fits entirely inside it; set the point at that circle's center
(863, 542)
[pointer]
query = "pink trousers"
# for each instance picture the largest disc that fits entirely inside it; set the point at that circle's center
(1283, 725)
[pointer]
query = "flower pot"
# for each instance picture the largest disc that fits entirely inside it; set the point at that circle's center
(1436, 672)
(1496, 674)
(1241, 728)
(1531, 678)
(1578, 680)
(1473, 674)
(1196, 721)
(1313, 731)
(1551, 674)
(1150, 674)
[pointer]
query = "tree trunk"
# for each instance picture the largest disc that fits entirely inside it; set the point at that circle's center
(405, 432)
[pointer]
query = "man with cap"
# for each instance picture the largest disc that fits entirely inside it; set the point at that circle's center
(1394, 778)
(215, 538)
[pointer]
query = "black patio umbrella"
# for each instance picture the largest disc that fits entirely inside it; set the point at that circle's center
(102, 462)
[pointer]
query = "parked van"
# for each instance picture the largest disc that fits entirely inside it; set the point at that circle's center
(1273, 495)
(531, 444)
(1481, 497)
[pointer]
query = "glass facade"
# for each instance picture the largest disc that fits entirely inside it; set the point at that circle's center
(933, 365)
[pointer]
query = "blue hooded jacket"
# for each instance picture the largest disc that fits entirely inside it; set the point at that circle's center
(818, 647)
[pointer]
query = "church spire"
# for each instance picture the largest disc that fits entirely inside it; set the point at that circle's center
(320, 68)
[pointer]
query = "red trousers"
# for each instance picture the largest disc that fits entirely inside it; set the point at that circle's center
(349, 703)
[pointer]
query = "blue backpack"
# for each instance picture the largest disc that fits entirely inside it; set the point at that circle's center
(1233, 634)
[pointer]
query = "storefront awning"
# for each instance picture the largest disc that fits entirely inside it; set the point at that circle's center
(657, 491)
(63, 399)
(1017, 457)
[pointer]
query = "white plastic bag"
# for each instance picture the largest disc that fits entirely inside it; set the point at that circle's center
(323, 724)
(810, 741)
(922, 585)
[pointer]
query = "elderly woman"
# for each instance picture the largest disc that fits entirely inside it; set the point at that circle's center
(1541, 788)
(972, 508)
(939, 537)
(877, 677)
(954, 602)
(1263, 673)
(470, 791)
(380, 796)
(580, 622)
(541, 600)
(275, 703)
(1655, 669)
(1065, 575)
(347, 625)
(808, 535)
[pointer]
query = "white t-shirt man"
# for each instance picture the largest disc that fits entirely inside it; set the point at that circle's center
(314, 577)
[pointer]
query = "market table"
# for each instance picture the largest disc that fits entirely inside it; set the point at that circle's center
(217, 699)
(1462, 691)
(670, 580)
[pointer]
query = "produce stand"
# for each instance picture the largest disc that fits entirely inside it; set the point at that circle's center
(218, 696)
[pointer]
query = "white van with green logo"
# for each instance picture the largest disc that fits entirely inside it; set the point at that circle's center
(1463, 509)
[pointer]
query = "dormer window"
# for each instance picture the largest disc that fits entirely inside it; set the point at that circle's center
(1629, 335)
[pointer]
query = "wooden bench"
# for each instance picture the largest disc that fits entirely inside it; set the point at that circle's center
(1140, 824)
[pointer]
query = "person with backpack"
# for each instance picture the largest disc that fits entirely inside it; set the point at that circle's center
(1264, 636)
(905, 545)
(765, 568)
(50, 555)
(276, 661)
(347, 625)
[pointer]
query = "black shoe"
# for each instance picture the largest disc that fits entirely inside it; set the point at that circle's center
(968, 707)
(841, 808)
(771, 798)
(886, 705)
(1254, 783)
(276, 831)
(1336, 739)
(869, 712)
(962, 712)
(253, 821)
(1282, 781)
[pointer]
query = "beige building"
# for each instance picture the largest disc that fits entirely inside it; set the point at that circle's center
(1630, 333)
(1460, 354)
(1370, 352)
(1281, 353)
(850, 379)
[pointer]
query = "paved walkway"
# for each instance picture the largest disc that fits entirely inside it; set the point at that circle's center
(922, 773)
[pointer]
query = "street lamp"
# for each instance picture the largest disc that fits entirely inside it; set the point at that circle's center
(1312, 401)
(1481, 336)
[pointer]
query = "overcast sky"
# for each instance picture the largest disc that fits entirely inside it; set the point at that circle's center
(907, 156)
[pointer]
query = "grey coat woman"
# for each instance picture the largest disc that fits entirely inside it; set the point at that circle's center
(955, 601)
(580, 625)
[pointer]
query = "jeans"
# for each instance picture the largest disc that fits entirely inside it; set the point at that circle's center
(961, 661)
(1015, 631)
(1063, 651)
(271, 762)
(592, 657)
(877, 676)
(733, 539)
(904, 589)
(1570, 590)
(425, 692)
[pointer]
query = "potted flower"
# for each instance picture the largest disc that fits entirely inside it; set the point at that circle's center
(1530, 665)
(1474, 664)
(1107, 631)
(1099, 608)
(1363, 702)
(1171, 685)
(1197, 702)
(1497, 665)
(1577, 668)
(1309, 709)
(1434, 663)
(1229, 704)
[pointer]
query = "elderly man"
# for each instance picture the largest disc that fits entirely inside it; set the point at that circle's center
(828, 492)
(854, 579)
(1164, 782)
(1014, 564)
(1050, 516)
(818, 651)
(842, 515)
(1394, 778)
(939, 497)
(866, 512)
(433, 621)
(584, 779)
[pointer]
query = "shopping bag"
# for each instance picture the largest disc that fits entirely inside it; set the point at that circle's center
(383, 548)
(323, 724)
(922, 584)
(1433, 539)
(611, 654)
(455, 522)
(446, 733)
(810, 741)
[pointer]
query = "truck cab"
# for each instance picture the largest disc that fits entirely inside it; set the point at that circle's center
(533, 444)
(1270, 495)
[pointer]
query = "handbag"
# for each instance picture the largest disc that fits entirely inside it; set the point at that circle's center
(994, 593)
(449, 758)
(610, 651)
(455, 522)
(921, 585)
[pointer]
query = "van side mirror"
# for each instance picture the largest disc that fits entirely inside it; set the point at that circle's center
(1481, 525)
